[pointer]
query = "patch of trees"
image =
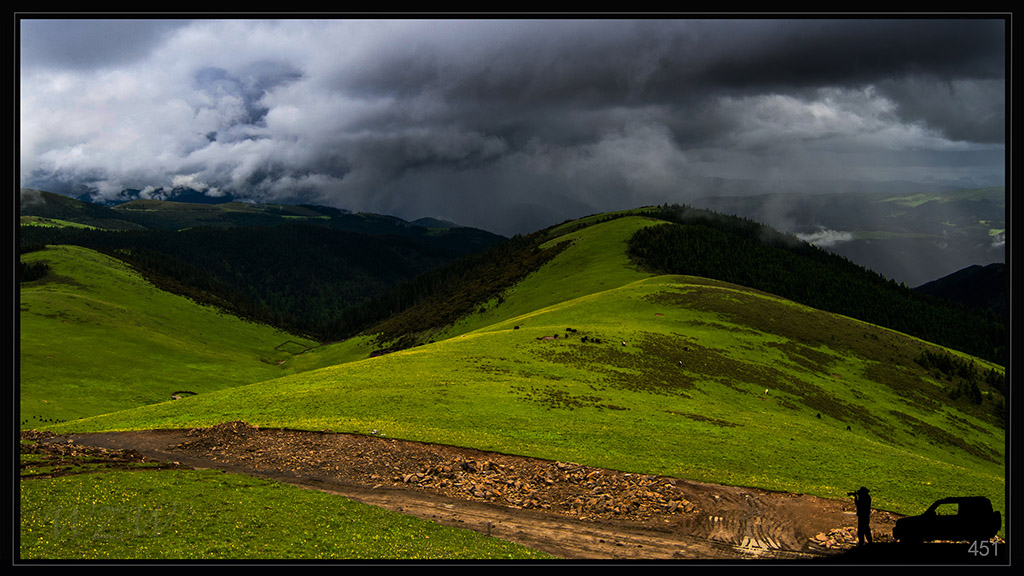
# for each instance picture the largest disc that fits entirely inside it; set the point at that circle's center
(30, 271)
(950, 368)
(965, 381)
(741, 251)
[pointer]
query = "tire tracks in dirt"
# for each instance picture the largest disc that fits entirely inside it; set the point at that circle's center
(720, 523)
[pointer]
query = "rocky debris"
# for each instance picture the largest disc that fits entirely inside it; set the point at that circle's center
(521, 483)
(36, 435)
(845, 537)
(211, 438)
(564, 487)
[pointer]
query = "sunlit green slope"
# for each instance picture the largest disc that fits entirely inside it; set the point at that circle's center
(594, 262)
(95, 337)
(669, 374)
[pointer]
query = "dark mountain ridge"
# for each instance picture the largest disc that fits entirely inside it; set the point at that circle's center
(48, 205)
(176, 194)
(977, 286)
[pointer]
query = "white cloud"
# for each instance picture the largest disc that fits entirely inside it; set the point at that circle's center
(825, 238)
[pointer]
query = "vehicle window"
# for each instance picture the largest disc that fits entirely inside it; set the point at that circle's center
(949, 509)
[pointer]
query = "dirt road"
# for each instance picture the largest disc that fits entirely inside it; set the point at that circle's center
(563, 508)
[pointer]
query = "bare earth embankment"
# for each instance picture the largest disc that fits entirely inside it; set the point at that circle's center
(566, 509)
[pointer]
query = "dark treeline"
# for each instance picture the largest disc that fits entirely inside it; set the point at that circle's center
(29, 271)
(745, 252)
(952, 368)
(965, 382)
(308, 279)
(439, 298)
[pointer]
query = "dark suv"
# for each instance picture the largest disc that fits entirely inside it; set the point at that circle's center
(965, 518)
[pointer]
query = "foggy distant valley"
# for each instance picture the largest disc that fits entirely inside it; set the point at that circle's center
(913, 238)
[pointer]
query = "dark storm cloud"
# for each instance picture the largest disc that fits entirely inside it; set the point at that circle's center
(602, 63)
(248, 86)
(87, 44)
(966, 109)
(510, 124)
(851, 52)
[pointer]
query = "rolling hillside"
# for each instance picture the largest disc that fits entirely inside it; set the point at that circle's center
(593, 360)
(95, 337)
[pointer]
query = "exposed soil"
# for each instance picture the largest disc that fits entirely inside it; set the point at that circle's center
(563, 508)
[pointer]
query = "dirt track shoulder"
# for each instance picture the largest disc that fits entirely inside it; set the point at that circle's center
(569, 510)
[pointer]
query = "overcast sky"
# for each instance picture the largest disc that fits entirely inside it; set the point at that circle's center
(508, 125)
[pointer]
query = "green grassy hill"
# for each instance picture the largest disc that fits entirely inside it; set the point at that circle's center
(674, 375)
(95, 338)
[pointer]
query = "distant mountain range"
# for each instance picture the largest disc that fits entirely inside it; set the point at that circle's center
(176, 194)
(187, 208)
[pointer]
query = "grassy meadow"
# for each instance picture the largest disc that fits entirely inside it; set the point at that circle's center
(587, 360)
(95, 337)
(212, 515)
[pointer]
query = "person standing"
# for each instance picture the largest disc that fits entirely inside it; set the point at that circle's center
(862, 500)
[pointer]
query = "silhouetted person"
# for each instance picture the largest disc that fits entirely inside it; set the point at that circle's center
(862, 500)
